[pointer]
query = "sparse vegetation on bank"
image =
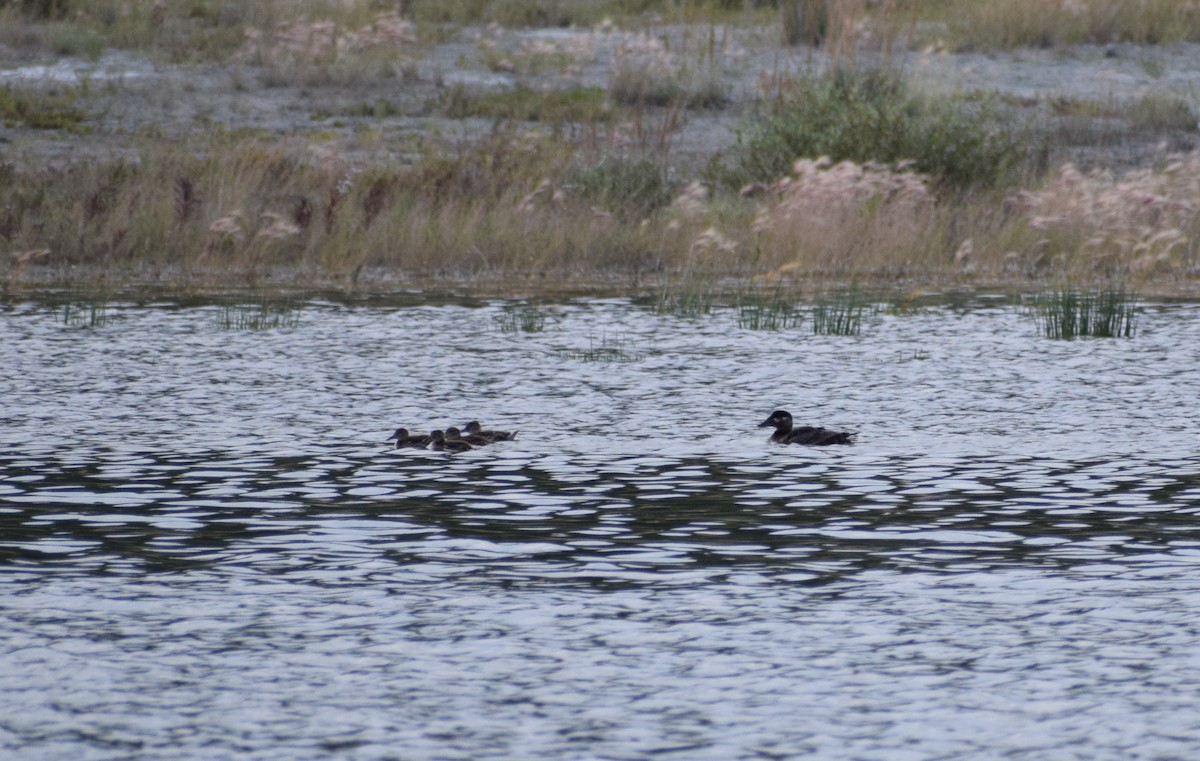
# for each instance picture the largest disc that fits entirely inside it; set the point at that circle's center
(518, 204)
(843, 171)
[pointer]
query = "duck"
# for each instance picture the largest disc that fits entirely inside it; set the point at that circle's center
(806, 434)
(454, 434)
(406, 441)
(474, 428)
(439, 442)
(475, 439)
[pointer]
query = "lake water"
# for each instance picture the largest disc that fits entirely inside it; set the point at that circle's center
(207, 551)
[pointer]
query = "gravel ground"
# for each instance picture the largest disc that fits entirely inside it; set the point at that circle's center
(127, 95)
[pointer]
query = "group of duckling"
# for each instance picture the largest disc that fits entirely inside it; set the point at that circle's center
(452, 439)
(472, 435)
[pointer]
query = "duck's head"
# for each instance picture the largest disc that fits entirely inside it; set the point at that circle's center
(453, 433)
(437, 435)
(473, 427)
(400, 435)
(780, 420)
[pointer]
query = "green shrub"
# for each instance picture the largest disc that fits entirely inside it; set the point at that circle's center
(868, 116)
(628, 187)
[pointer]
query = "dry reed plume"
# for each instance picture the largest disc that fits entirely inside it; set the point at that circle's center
(846, 217)
(1140, 221)
(321, 42)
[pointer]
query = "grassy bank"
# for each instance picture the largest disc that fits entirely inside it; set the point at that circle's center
(840, 170)
(520, 205)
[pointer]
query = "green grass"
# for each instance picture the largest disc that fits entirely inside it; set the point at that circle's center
(87, 314)
(689, 299)
(871, 115)
(526, 104)
(777, 310)
(40, 110)
(268, 314)
(839, 313)
(631, 188)
(1069, 313)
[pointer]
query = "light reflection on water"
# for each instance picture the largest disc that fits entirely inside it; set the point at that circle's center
(208, 550)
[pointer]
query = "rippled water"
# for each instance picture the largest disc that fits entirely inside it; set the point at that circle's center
(207, 551)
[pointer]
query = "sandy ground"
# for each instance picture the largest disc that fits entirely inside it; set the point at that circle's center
(127, 95)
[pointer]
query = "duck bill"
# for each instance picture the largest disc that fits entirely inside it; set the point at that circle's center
(766, 423)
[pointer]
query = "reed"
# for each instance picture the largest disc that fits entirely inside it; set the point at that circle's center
(526, 318)
(777, 310)
(618, 349)
(1069, 313)
(92, 313)
(267, 314)
(838, 313)
(690, 298)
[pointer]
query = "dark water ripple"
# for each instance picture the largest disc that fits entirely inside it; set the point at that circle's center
(206, 552)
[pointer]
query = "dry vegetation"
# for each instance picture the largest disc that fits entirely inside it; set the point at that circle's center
(579, 183)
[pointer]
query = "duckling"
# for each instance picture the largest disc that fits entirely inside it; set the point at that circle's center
(406, 441)
(474, 439)
(439, 443)
(807, 434)
(473, 428)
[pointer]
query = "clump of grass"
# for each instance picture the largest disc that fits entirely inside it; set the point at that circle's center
(871, 116)
(1069, 313)
(647, 73)
(533, 57)
(40, 110)
(526, 104)
(777, 310)
(268, 314)
(330, 51)
(88, 314)
(804, 21)
(607, 350)
(632, 188)
(689, 299)
(522, 319)
(382, 108)
(839, 313)
(1162, 112)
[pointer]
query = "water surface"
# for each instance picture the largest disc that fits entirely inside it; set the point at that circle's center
(207, 551)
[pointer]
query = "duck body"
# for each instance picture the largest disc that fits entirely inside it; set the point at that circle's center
(475, 430)
(440, 442)
(815, 436)
(404, 440)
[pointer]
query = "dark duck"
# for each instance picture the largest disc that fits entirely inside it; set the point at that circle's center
(475, 431)
(404, 440)
(440, 442)
(814, 436)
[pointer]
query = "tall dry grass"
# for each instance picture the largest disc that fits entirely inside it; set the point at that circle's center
(847, 218)
(1143, 221)
(1001, 24)
(250, 209)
